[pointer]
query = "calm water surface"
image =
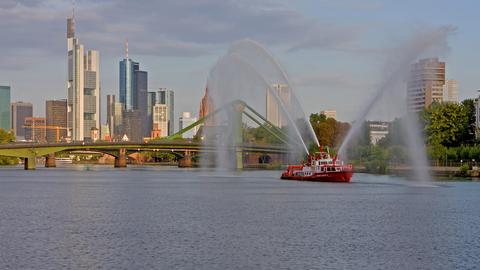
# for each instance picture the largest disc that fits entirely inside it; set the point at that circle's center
(166, 218)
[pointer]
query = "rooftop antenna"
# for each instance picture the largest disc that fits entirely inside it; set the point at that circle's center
(126, 48)
(73, 9)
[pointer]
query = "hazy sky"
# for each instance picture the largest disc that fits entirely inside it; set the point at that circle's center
(333, 50)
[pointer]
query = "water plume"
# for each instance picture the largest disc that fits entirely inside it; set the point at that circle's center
(247, 72)
(396, 71)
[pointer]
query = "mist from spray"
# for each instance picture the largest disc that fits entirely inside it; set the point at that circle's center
(247, 72)
(396, 69)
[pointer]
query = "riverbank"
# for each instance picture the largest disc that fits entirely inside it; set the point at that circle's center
(435, 171)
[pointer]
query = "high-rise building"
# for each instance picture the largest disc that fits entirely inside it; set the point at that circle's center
(5, 107)
(56, 120)
(450, 91)
(134, 90)
(20, 111)
(166, 96)
(186, 120)
(118, 122)
(151, 100)
(83, 85)
(425, 84)
(141, 87)
(128, 93)
(111, 115)
(330, 114)
(160, 120)
(35, 129)
(278, 96)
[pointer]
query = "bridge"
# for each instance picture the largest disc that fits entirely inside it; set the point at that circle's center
(184, 149)
(120, 150)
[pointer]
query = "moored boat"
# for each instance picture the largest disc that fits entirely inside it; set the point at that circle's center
(320, 167)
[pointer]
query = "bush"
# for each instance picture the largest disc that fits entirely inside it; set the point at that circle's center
(464, 169)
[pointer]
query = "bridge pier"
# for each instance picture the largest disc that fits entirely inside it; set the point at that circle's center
(186, 161)
(238, 134)
(50, 161)
(121, 159)
(29, 163)
(239, 158)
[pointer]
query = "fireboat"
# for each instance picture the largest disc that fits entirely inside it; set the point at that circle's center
(320, 167)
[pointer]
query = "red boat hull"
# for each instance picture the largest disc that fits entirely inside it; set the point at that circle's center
(341, 177)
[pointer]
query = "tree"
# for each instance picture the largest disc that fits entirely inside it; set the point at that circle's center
(329, 132)
(7, 137)
(468, 135)
(445, 124)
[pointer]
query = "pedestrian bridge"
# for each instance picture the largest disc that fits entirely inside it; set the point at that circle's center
(29, 152)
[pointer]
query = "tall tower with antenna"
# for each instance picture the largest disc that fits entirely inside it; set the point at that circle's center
(83, 86)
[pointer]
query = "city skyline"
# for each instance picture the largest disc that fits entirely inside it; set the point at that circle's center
(174, 52)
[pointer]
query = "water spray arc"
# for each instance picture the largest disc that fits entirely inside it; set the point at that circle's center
(248, 72)
(401, 59)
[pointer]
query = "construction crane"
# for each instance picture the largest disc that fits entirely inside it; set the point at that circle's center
(56, 128)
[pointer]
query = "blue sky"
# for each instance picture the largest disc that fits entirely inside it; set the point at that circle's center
(333, 50)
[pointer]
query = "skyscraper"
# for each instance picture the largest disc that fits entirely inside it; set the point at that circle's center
(425, 84)
(5, 107)
(111, 115)
(166, 96)
(20, 111)
(141, 88)
(83, 85)
(128, 94)
(56, 120)
(151, 100)
(134, 90)
(186, 120)
(277, 96)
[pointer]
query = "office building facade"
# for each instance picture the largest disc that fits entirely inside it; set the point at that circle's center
(56, 120)
(151, 101)
(35, 129)
(160, 120)
(450, 91)
(425, 84)
(20, 110)
(5, 99)
(132, 126)
(167, 97)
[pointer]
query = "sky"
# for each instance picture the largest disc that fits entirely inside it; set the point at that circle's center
(334, 51)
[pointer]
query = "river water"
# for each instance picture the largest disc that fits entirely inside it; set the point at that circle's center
(165, 218)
